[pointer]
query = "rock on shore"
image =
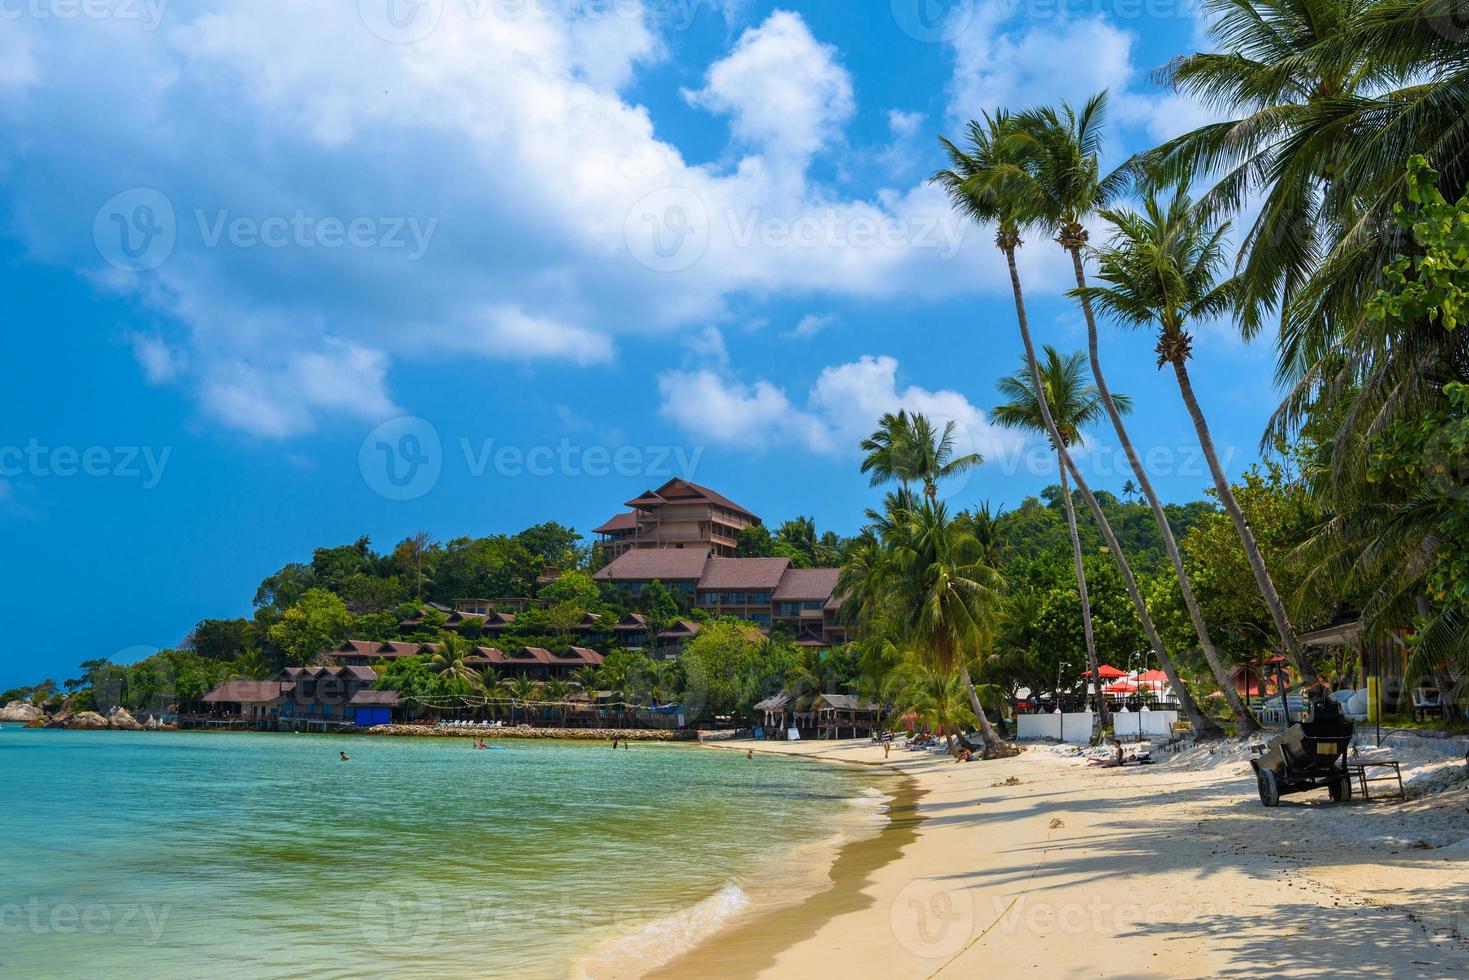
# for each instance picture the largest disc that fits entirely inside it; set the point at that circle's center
(87, 720)
(122, 719)
(22, 711)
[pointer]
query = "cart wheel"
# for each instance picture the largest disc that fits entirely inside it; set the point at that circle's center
(1341, 790)
(1269, 792)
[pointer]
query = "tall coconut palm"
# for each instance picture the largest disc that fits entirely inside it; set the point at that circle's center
(1162, 269)
(1328, 99)
(933, 696)
(942, 600)
(1075, 404)
(1063, 147)
(910, 449)
(988, 182)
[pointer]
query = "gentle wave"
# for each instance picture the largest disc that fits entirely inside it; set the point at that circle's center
(804, 871)
(661, 940)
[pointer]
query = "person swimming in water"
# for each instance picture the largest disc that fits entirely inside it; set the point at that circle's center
(346, 757)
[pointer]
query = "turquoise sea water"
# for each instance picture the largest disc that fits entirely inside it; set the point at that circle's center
(183, 854)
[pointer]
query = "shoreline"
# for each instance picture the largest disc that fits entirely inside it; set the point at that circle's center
(748, 945)
(1174, 869)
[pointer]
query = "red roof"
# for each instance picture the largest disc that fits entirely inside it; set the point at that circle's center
(679, 491)
(807, 584)
(743, 573)
(246, 691)
(664, 564)
(621, 522)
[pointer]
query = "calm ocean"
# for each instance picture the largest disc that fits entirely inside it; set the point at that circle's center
(182, 854)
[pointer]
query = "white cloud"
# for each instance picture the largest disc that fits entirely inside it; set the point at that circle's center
(785, 92)
(842, 408)
(812, 324)
(511, 133)
(1005, 61)
(283, 399)
(161, 363)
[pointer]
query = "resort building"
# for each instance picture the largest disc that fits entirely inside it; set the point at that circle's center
(765, 591)
(297, 698)
(365, 653)
(536, 662)
(678, 515)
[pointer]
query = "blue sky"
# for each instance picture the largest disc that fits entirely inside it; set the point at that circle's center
(237, 241)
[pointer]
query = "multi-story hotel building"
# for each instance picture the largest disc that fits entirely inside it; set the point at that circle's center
(765, 591)
(678, 515)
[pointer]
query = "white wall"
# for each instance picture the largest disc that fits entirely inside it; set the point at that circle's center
(1142, 724)
(1076, 726)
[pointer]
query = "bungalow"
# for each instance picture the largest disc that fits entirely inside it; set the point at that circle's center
(672, 640)
(537, 663)
(299, 697)
(234, 702)
(631, 631)
(365, 653)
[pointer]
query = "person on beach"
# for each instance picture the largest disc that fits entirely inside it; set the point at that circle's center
(346, 757)
(614, 743)
(749, 753)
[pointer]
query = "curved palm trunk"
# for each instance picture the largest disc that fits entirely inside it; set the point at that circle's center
(1103, 712)
(1242, 526)
(1247, 722)
(994, 745)
(1204, 726)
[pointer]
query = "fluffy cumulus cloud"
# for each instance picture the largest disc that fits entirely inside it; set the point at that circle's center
(716, 407)
(785, 92)
(1006, 56)
(301, 195)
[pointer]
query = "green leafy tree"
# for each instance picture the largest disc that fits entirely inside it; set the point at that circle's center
(315, 624)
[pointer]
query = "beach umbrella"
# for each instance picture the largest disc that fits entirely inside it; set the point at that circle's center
(1153, 677)
(1106, 672)
(1121, 687)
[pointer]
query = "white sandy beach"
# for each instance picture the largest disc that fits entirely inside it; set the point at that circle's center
(1171, 870)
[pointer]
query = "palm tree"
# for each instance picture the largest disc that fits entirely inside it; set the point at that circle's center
(1074, 404)
(935, 697)
(1063, 154)
(448, 662)
(1130, 490)
(939, 599)
(556, 691)
(1161, 269)
(909, 449)
(487, 683)
(1331, 98)
(523, 691)
(989, 183)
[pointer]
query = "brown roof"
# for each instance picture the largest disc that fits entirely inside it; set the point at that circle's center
(496, 620)
(621, 522)
(678, 491)
(807, 584)
(680, 629)
(372, 650)
(486, 655)
(632, 622)
(235, 691)
(664, 564)
(539, 655)
(743, 573)
(361, 673)
(582, 655)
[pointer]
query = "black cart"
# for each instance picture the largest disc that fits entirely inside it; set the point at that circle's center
(1308, 755)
